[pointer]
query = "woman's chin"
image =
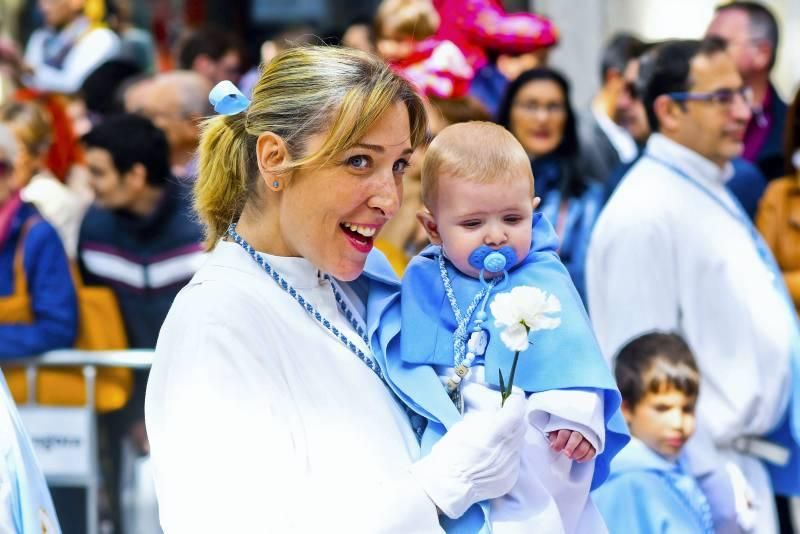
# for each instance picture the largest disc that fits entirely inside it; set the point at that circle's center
(347, 270)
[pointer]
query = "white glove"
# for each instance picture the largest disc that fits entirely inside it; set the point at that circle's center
(477, 459)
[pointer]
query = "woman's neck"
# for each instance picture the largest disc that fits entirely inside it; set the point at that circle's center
(263, 233)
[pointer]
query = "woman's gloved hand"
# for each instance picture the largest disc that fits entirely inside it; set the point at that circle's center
(477, 459)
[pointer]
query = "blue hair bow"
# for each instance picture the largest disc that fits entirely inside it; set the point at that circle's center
(227, 99)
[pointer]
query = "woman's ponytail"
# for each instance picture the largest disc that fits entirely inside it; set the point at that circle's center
(224, 174)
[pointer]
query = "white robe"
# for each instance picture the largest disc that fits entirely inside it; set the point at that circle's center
(665, 256)
(261, 421)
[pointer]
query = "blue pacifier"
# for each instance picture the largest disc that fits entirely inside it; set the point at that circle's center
(493, 261)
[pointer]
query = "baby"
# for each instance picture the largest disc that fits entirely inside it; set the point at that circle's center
(478, 191)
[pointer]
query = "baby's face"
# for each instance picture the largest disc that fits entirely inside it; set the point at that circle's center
(469, 215)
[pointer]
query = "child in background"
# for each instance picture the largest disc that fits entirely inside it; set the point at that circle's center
(477, 187)
(649, 488)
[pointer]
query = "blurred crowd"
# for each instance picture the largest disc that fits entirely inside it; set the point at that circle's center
(98, 158)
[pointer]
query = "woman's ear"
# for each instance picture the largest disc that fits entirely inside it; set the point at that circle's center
(272, 156)
(428, 222)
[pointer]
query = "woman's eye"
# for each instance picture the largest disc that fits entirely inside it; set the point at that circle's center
(400, 166)
(358, 162)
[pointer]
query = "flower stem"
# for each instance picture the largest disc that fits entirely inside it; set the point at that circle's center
(505, 390)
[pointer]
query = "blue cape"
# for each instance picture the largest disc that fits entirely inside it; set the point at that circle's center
(425, 315)
(641, 496)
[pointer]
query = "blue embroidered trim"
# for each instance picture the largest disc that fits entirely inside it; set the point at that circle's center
(309, 308)
(462, 320)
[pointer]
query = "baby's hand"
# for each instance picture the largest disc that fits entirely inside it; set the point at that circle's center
(572, 444)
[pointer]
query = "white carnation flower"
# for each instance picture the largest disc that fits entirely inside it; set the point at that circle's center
(524, 309)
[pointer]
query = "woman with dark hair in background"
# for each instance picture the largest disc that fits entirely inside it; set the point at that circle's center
(537, 110)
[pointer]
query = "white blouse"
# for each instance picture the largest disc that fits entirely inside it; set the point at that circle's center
(260, 420)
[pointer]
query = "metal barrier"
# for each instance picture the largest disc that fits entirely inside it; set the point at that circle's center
(65, 437)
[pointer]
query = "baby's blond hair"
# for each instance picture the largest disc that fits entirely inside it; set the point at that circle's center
(476, 151)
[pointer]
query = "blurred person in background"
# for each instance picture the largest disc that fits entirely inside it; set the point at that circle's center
(537, 110)
(283, 40)
(176, 102)
(213, 53)
(141, 239)
(136, 44)
(134, 92)
(400, 25)
(70, 46)
(498, 45)
(360, 35)
(100, 90)
(672, 250)
(752, 34)
(38, 306)
(605, 142)
(60, 206)
(778, 217)
(747, 183)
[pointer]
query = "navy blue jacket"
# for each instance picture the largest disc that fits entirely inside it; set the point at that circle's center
(50, 286)
(770, 159)
(145, 260)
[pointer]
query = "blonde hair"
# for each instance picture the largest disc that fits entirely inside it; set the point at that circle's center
(302, 92)
(406, 19)
(480, 152)
(30, 123)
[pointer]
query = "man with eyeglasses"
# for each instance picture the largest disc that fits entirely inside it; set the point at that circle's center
(674, 251)
(747, 182)
(752, 35)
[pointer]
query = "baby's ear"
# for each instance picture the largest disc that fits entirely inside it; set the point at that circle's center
(536, 202)
(428, 222)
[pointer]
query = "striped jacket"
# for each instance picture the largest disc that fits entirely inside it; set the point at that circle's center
(145, 260)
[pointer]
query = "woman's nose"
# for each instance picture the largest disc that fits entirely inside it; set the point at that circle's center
(387, 196)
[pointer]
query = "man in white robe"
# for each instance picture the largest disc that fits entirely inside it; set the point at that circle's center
(673, 251)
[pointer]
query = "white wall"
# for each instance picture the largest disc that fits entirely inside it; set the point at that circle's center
(586, 24)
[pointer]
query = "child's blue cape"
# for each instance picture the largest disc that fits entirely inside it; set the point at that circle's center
(562, 358)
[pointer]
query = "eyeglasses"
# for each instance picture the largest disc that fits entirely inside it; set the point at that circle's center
(532, 107)
(724, 97)
(6, 167)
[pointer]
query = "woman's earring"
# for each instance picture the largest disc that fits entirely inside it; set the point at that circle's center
(276, 185)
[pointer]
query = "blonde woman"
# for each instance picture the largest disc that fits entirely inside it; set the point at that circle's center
(266, 408)
(55, 201)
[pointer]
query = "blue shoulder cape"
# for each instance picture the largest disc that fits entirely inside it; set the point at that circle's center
(645, 493)
(563, 358)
